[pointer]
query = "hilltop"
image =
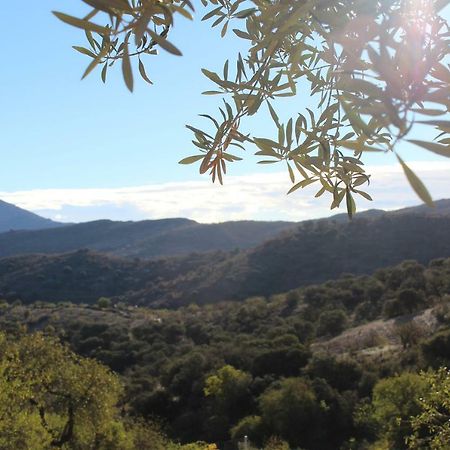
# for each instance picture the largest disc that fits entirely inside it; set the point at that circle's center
(14, 218)
(149, 239)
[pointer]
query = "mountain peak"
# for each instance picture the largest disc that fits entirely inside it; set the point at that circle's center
(14, 218)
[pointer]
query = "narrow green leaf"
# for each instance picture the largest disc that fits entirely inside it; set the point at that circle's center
(164, 43)
(301, 184)
(338, 197)
(416, 183)
(291, 173)
(351, 205)
(81, 23)
(429, 112)
(104, 72)
(363, 194)
(126, 69)
(274, 115)
(84, 51)
(191, 159)
(224, 29)
(244, 13)
(95, 62)
(143, 73)
(439, 149)
(212, 76)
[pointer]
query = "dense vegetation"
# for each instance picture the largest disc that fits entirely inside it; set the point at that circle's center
(322, 367)
(50, 398)
(315, 251)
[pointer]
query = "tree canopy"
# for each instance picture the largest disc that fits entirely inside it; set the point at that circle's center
(260, 367)
(52, 398)
(375, 69)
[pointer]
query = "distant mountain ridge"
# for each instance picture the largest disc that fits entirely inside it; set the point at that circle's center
(149, 239)
(22, 232)
(312, 252)
(14, 218)
(441, 208)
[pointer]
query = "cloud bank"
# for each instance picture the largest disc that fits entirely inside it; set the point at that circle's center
(258, 196)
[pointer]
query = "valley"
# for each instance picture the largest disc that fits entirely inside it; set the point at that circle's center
(212, 345)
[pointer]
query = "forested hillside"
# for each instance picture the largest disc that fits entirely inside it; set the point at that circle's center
(84, 276)
(316, 366)
(149, 239)
(315, 251)
(153, 239)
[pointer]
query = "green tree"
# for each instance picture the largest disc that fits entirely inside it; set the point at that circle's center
(250, 426)
(51, 398)
(395, 401)
(281, 361)
(374, 70)
(407, 301)
(432, 425)
(68, 400)
(332, 322)
(290, 410)
(436, 350)
(228, 384)
(342, 374)
(229, 390)
(411, 299)
(104, 302)
(409, 333)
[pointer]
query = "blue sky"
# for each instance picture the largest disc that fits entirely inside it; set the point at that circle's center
(60, 134)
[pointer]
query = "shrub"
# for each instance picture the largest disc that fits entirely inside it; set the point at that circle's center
(332, 322)
(104, 302)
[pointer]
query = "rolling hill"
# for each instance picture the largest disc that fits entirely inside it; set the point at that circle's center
(148, 239)
(313, 252)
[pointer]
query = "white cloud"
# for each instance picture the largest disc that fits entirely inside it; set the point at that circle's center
(255, 196)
